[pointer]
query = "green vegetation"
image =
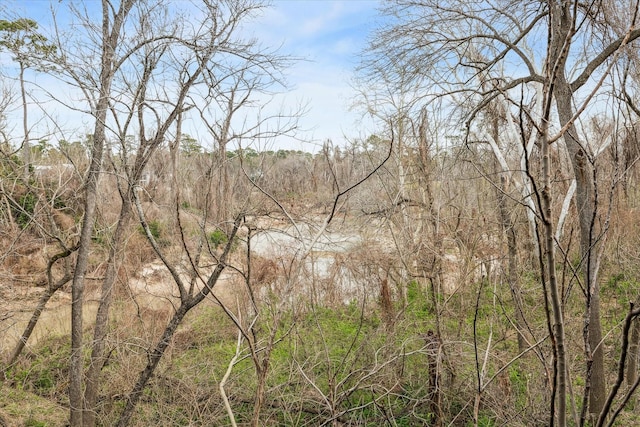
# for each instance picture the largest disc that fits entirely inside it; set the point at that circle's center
(346, 354)
(419, 305)
(25, 209)
(400, 279)
(157, 230)
(22, 408)
(33, 393)
(217, 238)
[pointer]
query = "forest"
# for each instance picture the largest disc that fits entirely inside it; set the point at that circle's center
(473, 262)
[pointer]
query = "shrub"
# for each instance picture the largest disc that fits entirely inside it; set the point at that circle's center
(25, 210)
(154, 227)
(217, 238)
(157, 231)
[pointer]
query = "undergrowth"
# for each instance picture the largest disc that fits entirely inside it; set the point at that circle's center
(350, 363)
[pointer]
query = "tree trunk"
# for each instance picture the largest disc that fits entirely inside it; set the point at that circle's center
(76, 369)
(632, 359)
(42, 303)
(562, 31)
(52, 288)
(512, 268)
(258, 403)
(433, 346)
(186, 304)
(26, 149)
(509, 229)
(556, 298)
(224, 189)
(174, 184)
(153, 360)
(97, 360)
(585, 205)
(548, 260)
(262, 368)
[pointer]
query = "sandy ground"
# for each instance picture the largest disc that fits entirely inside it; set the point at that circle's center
(153, 289)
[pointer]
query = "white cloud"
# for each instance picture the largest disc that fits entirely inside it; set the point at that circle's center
(329, 35)
(327, 15)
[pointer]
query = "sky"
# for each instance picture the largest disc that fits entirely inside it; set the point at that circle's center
(327, 36)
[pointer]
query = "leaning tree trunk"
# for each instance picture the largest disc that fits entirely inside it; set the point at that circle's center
(153, 359)
(52, 288)
(187, 302)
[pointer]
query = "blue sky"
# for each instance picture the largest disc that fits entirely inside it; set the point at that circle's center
(327, 35)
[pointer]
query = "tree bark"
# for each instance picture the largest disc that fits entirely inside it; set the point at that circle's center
(562, 22)
(558, 36)
(153, 360)
(632, 361)
(262, 368)
(585, 205)
(512, 264)
(433, 347)
(77, 290)
(101, 328)
(556, 298)
(26, 149)
(76, 369)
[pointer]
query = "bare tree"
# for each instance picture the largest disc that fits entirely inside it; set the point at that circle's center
(214, 42)
(457, 55)
(112, 25)
(129, 166)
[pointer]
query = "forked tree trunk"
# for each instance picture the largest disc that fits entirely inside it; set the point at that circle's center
(187, 302)
(110, 35)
